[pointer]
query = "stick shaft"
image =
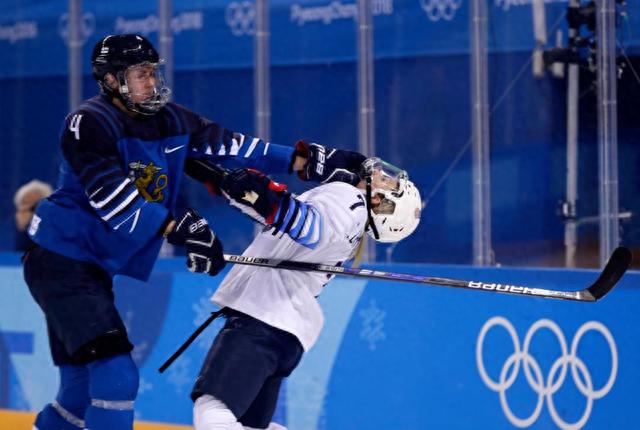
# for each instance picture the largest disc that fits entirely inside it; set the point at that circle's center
(403, 277)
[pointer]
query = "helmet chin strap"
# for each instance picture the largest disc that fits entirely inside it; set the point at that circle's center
(371, 224)
(114, 93)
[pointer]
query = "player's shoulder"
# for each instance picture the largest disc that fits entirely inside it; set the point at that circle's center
(99, 108)
(341, 206)
(94, 120)
(339, 189)
(191, 120)
(338, 195)
(175, 108)
(96, 113)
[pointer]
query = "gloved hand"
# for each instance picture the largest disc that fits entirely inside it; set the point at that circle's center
(329, 165)
(253, 193)
(204, 250)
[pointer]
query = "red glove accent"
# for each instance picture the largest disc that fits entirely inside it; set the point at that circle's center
(211, 188)
(301, 149)
(255, 172)
(271, 218)
(273, 185)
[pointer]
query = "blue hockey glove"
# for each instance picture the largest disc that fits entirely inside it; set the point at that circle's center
(204, 250)
(253, 193)
(329, 165)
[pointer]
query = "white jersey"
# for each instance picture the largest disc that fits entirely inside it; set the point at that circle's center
(327, 228)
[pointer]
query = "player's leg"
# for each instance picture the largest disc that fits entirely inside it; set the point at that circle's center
(78, 303)
(113, 386)
(210, 413)
(242, 358)
(68, 410)
(259, 414)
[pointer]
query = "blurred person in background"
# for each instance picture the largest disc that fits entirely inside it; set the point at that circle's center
(124, 154)
(26, 200)
(273, 316)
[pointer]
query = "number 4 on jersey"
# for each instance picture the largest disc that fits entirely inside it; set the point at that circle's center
(74, 125)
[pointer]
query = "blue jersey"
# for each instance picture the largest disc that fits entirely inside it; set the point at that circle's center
(120, 177)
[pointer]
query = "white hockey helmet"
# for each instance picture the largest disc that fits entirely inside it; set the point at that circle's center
(393, 201)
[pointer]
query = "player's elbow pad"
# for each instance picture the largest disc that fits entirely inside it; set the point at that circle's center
(301, 221)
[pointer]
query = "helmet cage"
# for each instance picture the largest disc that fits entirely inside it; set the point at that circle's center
(396, 213)
(131, 86)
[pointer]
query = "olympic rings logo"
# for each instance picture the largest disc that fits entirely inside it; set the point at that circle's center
(533, 373)
(87, 26)
(440, 9)
(241, 18)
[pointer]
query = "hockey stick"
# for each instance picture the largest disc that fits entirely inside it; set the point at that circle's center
(190, 340)
(616, 267)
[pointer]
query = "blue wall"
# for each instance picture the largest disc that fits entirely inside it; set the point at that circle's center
(400, 356)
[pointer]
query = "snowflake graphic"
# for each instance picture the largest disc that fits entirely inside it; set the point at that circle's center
(179, 375)
(139, 351)
(128, 319)
(202, 309)
(372, 325)
(144, 386)
(140, 348)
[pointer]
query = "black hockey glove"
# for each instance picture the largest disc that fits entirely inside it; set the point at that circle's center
(253, 193)
(328, 164)
(204, 250)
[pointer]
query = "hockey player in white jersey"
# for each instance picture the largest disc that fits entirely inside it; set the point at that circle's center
(273, 315)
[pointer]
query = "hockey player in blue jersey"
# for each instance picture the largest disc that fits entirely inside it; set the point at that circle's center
(124, 153)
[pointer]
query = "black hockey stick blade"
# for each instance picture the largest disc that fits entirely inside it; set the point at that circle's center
(616, 267)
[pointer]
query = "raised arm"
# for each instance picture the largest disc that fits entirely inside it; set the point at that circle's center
(216, 145)
(265, 201)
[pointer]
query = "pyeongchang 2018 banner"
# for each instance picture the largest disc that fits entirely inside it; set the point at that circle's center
(219, 34)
